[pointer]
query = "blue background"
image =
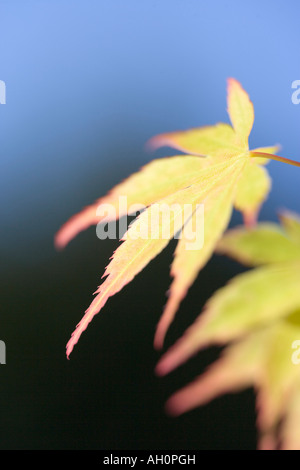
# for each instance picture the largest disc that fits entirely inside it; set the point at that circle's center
(88, 83)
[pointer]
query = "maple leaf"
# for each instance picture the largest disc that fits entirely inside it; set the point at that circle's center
(258, 314)
(218, 171)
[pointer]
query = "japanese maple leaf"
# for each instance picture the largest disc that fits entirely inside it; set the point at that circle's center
(258, 314)
(218, 171)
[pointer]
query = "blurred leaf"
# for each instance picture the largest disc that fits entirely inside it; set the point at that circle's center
(258, 313)
(259, 245)
(253, 187)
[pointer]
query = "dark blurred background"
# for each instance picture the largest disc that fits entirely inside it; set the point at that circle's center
(88, 83)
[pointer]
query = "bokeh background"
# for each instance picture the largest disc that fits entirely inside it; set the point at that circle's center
(88, 83)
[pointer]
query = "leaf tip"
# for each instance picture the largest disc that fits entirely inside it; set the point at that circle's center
(69, 348)
(232, 85)
(161, 368)
(172, 407)
(59, 241)
(232, 82)
(158, 342)
(168, 362)
(154, 143)
(162, 329)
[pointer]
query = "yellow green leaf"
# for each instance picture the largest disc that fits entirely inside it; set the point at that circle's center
(289, 434)
(258, 316)
(259, 245)
(148, 235)
(222, 171)
(215, 141)
(261, 360)
(249, 301)
(154, 181)
(188, 262)
(240, 110)
(232, 372)
(291, 223)
(252, 189)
